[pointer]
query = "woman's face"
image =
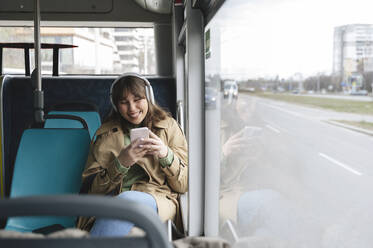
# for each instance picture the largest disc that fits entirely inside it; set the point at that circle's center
(245, 107)
(133, 108)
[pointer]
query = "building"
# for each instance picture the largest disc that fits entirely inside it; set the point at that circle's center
(353, 53)
(128, 44)
(96, 52)
(99, 51)
(147, 51)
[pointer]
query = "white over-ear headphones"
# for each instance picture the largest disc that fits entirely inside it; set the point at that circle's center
(148, 88)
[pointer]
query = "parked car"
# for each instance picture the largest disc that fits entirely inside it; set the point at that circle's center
(359, 93)
(296, 91)
(211, 95)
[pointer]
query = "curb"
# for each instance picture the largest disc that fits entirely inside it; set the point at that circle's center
(357, 129)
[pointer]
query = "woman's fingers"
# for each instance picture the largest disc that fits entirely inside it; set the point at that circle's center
(156, 146)
(153, 148)
(154, 139)
(141, 144)
(152, 144)
(233, 141)
(146, 146)
(142, 153)
(153, 135)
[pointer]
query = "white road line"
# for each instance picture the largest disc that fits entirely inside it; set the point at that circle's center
(286, 111)
(322, 122)
(273, 129)
(346, 167)
(275, 126)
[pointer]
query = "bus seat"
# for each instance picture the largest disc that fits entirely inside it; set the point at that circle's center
(48, 162)
(18, 113)
(91, 117)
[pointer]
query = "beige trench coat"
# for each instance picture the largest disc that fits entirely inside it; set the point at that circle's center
(164, 184)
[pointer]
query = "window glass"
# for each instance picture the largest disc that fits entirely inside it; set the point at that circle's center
(98, 51)
(292, 82)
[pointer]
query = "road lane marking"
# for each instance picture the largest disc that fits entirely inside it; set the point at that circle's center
(346, 167)
(322, 122)
(275, 126)
(273, 129)
(286, 111)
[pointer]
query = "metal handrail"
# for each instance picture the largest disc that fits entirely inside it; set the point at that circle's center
(180, 114)
(86, 205)
(38, 92)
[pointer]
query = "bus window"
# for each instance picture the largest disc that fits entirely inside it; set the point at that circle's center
(100, 50)
(295, 144)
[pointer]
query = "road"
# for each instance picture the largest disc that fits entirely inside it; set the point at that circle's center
(324, 169)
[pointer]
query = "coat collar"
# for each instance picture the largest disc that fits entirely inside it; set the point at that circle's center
(107, 127)
(162, 124)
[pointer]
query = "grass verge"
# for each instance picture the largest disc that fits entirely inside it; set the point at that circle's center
(340, 105)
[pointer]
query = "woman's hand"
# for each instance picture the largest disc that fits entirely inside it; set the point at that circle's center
(237, 144)
(155, 146)
(133, 152)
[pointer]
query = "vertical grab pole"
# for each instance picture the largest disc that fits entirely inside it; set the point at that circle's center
(38, 93)
(195, 114)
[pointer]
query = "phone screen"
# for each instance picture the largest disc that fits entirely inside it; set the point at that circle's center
(251, 131)
(138, 133)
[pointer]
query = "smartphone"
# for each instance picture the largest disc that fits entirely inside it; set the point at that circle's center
(251, 131)
(138, 133)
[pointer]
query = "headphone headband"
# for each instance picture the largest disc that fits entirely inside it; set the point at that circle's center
(148, 88)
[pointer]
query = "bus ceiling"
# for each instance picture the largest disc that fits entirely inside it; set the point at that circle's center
(155, 11)
(157, 6)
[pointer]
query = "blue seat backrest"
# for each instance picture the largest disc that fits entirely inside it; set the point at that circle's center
(17, 98)
(91, 117)
(48, 162)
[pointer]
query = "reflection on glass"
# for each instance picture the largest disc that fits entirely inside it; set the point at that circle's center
(241, 147)
(296, 167)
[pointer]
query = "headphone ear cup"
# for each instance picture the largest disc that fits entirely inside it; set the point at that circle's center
(112, 103)
(149, 93)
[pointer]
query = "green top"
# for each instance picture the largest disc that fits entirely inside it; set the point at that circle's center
(136, 173)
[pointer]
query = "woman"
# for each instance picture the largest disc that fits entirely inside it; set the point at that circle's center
(151, 171)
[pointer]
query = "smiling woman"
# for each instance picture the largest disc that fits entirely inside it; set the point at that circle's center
(133, 108)
(151, 171)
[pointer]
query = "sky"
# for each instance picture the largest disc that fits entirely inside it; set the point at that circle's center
(269, 38)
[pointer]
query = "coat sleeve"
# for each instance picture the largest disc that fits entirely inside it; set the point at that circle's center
(177, 172)
(101, 174)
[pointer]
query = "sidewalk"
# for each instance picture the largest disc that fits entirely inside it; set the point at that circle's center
(357, 129)
(368, 98)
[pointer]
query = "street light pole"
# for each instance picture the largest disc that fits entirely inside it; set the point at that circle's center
(318, 82)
